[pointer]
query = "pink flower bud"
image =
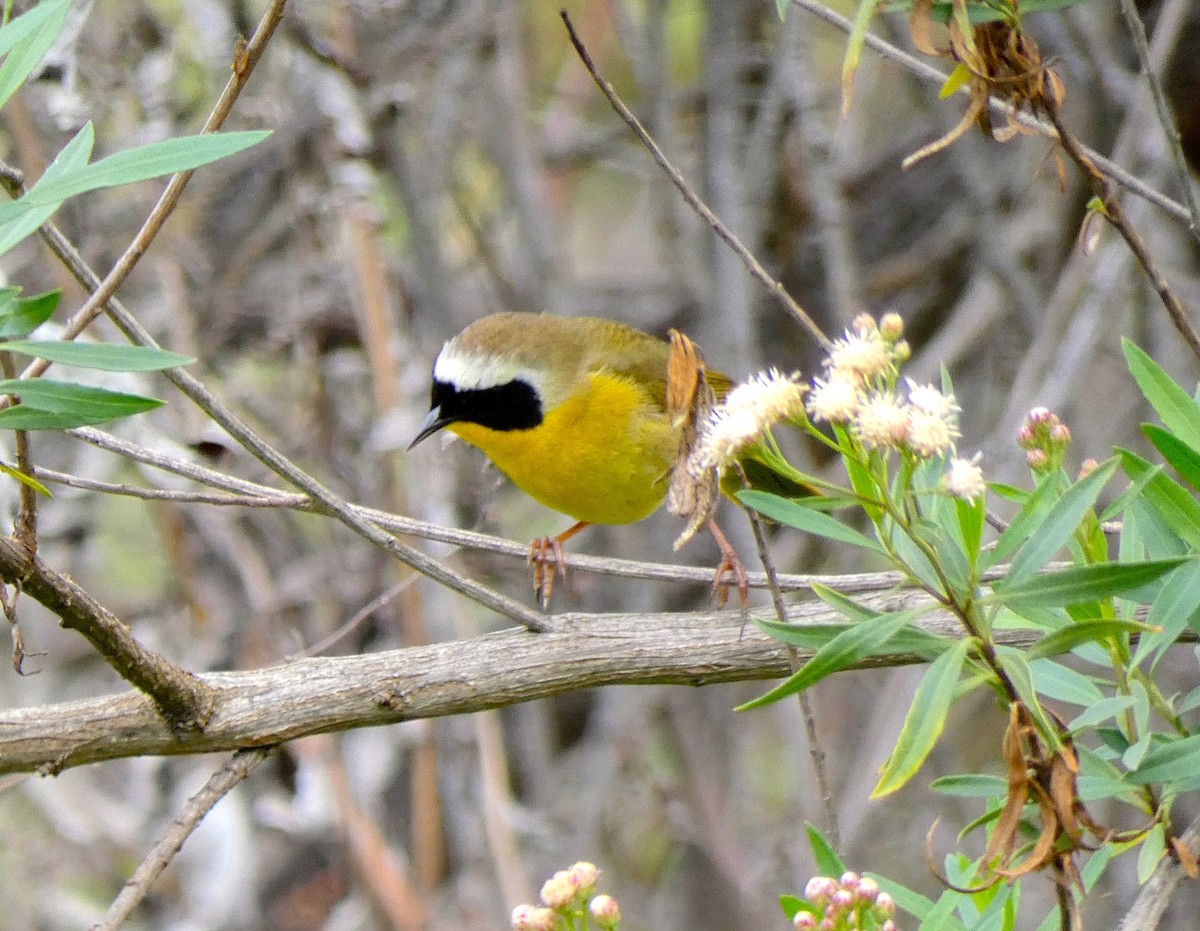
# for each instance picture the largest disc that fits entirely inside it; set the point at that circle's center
(820, 890)
(605, 911)
(804, 921)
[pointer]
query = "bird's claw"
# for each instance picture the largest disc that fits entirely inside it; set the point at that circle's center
(729, 565)
(542, 551)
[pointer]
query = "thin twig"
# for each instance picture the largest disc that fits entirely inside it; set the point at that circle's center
(220, 784)
(25, 526)
(1162, 109)
(1115, 214)
(815, 752)
(923, 69)
(693, 199)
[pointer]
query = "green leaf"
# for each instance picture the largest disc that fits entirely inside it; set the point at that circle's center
(1170, 762)
(792, 906)
(854, 46)
(794, 513)
(1179, 413)
(844, 650)
(182, 153)
(25, 40)
(24, 479)
(970, 785)
(1175, 607)
(827, 860)
(21, 217)
(1181, 457)
(1128, 497)
(959, 78)
(1171, 500)
(1154, 846)
(1033, 511)
(910, 641)
(1100, 711)
(925, 720)
(102, 356)
(56, 405)
(1081, 584)
(971, 518)
(21, 317)
(1062, 683)
(1059, 524)
(781, 7)
(1067, 638)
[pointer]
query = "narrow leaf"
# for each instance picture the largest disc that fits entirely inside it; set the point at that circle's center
(844, 650)
(32, 34)
(1181, 457)
(25, 480)
(1179, 413)
(1033, 511)
(1021, 677)
(970, 785)
(102, 356)
(1178, 509)
(1067, 638)
(796, 514)
(1060, 523)
(1170, 762)
(1081, 584)
(69, 397)
(182, 153)
(827, 859)
(21, 317)
(1175, 607)
(925, 720)
(910, 641)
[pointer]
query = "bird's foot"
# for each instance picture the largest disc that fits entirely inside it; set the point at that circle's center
(729, 565)
(546, 557)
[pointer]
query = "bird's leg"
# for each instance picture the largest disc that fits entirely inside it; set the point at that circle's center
(543, 550)
(729, 564)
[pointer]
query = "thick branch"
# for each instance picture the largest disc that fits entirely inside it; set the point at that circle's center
(308, 696)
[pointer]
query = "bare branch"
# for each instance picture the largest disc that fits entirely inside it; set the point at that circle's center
(268, 706)
(221, 783)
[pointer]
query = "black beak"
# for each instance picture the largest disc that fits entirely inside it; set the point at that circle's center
(433, 422)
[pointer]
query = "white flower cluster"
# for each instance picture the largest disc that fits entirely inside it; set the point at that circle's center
(858, 391)
(747, 412)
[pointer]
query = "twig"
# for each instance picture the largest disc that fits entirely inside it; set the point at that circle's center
(923, 69)
(693, 200)
(25, 526)
(815, 751)
(220, 784)
(1115, 214)
(250, 494)
(1162, 109)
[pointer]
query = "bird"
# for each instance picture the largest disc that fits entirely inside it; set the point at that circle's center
(573, 410)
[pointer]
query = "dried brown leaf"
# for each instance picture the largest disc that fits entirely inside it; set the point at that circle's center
(920, 21)
(1186, 858)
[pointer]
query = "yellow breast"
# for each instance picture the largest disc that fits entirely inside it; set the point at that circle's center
(601, 456)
